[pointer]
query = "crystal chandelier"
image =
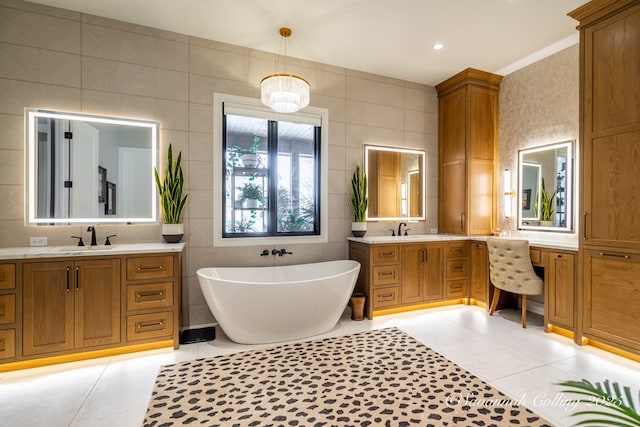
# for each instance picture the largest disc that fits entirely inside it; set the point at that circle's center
(284, 92)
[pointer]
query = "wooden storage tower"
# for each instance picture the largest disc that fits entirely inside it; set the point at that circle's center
(468, 140)
(609, 165)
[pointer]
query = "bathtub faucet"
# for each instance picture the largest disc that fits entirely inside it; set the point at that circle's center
(281, 252)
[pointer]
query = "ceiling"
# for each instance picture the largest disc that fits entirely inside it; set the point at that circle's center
(390, 38)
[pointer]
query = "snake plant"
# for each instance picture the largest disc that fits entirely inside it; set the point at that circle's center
(172, 202)
(607, 405)
(359, 199)
(546, 203)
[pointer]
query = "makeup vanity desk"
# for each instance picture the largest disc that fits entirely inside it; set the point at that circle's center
(413, 272)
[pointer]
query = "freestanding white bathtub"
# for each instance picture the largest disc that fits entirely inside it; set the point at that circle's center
(257, 305)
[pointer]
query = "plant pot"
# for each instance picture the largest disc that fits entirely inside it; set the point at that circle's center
(546, 223)
(359, 229)
(249, 160)
(357, 306)
(251, 203)
(172, 233)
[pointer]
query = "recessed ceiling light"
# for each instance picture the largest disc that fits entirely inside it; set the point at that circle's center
(438, 46)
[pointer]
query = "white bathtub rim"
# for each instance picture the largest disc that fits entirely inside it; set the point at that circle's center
(210, 273)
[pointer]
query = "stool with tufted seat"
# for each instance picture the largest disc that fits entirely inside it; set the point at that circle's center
(510, 269)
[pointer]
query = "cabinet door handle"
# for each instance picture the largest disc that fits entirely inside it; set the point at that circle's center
(68, 279)
(462, 221)
(149, 324)
(584, 226)
(615, 255)
(77, 279)
(149, 294)
(150, 268)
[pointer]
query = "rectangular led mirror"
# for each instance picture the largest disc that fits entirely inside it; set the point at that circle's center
(396, 183)
(545, 187)
(89, 169)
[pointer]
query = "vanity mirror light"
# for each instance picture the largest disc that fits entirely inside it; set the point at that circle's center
(396, 183)
(74, 163)
(545, 187)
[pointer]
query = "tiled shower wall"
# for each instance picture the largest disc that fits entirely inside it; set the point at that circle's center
(62, 60)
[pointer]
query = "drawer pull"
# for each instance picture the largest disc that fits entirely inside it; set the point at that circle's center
(141, 325)
(386, 273)
(149, 294)
(615, 255)
(385, 297)
(386, 254)
(456, 287)
(151, 268)
(456, 250)
(458, 268)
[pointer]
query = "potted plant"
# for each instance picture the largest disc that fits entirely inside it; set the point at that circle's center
(359, 202)
(546, 206)
(172, 201)
(247, 156)
(252, 195)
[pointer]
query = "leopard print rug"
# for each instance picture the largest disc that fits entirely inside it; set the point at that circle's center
(378, 378)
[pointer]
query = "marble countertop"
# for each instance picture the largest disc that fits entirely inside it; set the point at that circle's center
(66, 251)
(417, 238)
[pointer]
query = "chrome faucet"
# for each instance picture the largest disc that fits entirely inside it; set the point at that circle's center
(400, 228)
(92, 229)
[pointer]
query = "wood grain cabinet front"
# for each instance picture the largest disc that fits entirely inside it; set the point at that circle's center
(70, 305)
(479, 272)
(7, 343)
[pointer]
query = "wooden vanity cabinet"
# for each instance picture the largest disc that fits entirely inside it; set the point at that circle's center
(421, 273)
(9, 321)
(559, 294)
(468, 136)
(456, 269)
(152, 298)
(479, 272)
(70, 305)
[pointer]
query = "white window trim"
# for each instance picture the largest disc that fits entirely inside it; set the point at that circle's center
(254, 104)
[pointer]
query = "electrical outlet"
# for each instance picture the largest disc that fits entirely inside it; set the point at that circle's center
(434, 231)
(37, 241)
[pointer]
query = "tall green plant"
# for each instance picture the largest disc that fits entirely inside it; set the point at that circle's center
(546, 204)
(359, 201)
(172, 202)
(608, 405)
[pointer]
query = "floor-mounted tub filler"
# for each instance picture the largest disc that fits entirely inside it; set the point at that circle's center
(255, 305)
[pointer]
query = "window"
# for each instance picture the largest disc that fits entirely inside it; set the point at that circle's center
(271, 175)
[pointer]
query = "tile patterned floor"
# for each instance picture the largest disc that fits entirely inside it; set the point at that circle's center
(523, 363)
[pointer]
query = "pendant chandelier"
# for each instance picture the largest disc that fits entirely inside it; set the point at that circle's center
(284, 92)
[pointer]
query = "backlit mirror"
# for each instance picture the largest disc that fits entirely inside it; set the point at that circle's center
(396, 183)
(89, 169)
(545, 187)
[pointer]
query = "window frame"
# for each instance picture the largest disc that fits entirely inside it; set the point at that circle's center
(254, 107)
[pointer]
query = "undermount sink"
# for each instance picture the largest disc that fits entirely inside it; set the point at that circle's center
(83, 248)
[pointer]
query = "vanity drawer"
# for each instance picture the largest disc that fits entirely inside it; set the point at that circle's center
(385, 275)
(385, 254)
(456, 268)
(456, 250)
(456, 288)
(151, 295)
(536, 256)
(7, 343)
(154, 325)
(7, 276)
(7, 309)
(152, 267)
(385, 297)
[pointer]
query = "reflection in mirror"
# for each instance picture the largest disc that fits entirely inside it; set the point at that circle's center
(89, 169)
(396, 183)
(545, 187)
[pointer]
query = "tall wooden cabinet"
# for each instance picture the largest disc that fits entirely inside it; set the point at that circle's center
(610, 160)
(468, 137)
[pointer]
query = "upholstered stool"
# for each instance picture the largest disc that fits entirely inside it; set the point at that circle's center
(510, 269)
